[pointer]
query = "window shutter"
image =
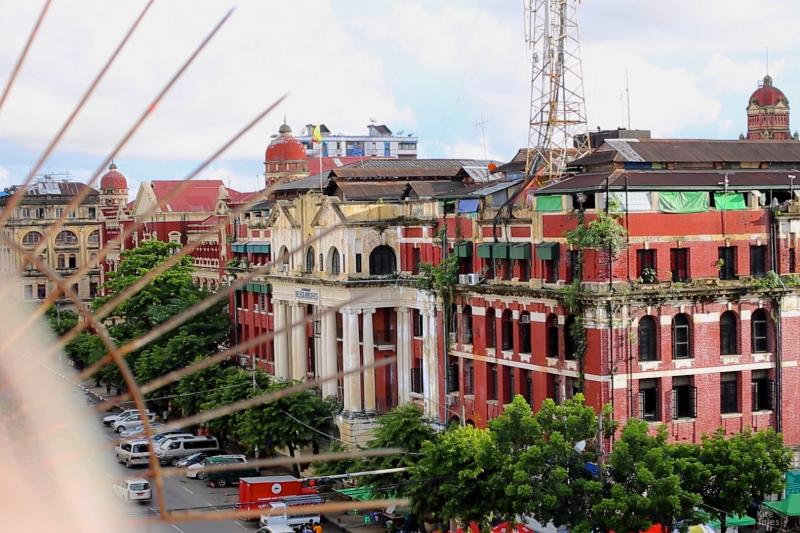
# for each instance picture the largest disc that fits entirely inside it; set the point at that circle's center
(771, 385)
(693, 391)
(641, 405)
(754, 395)
(674, 404)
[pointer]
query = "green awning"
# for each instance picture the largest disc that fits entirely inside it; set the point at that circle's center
(239, 247)
(521, 250)
(789, 506)
(547, 251)
(732, 201)
(734, 521)
(500, 250)
(463, 249)
(258, 248)
(485, 250)
(262, 288)
(683, 202)
(550, 203)
(361, 494)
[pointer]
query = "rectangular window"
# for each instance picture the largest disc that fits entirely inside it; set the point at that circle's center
(550, 270)
(416, 259)
(792, 260)
(649, 408)
(416, 380)
(358, 262)
(59, 211)
(729, 392)
(469, 377)
(262, 303)
(763, 391)
(29, 292)
(524, 269)
(25, 212)
(684, 398)
(41, 291)
(727, 262)
(679, 264)
(491, 386)
(508, 384)
(92, 213)
(554, 388)
(758, 261)
(238, 297)
(40, 212)
(571, 387)
(452, 378)
(574, 268)
(93, 289)
(417, 323)
(527, 386)
(646, 261)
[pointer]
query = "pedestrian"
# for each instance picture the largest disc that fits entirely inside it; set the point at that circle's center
(108, 389)
(317, 527)
(119, 390)
(165, 415)
(307, 527)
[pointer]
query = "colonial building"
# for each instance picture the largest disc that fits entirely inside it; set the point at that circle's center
(379, 141)
(77, 243)
(768, 113)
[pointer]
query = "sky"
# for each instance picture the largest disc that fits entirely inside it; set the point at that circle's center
(432, 68)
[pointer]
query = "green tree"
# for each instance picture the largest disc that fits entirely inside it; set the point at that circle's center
(234, 384)
(449, 481)
(731, 473)
(61, 320)
(642, 485)
(193, 390)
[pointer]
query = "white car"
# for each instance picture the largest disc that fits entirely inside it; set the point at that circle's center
(131, 422)
(115, 417)
(135, 452)
(136, 431)
(195, 471)
(134, 490)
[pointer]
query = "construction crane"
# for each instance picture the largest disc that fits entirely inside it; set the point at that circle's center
(557, 132)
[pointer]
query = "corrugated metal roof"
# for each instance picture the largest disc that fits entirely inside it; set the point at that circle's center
(421, 163)
(359, 191)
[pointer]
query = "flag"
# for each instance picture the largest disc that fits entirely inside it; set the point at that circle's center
(317, 134)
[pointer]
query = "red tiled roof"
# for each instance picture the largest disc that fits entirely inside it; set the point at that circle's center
(199, 195)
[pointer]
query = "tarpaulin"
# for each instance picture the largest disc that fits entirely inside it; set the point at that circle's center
(732, 201)
(683, 202)
(550, 203)
(468, 205)
(636, 200)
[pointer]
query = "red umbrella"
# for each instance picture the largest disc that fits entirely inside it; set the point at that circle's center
(509, 527)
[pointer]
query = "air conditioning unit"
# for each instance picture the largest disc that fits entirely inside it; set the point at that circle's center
(473, 279)
(463, 279)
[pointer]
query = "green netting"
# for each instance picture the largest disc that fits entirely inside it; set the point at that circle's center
(550, 203)
(361, 494)
(683, 202)
(732, 201)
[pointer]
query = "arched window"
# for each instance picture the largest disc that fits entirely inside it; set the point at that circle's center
(66, 238)
(61, 261)
(508, 330)
(382, 261)
(32, 238)
(569, 338)
(727, 333)
(175, 236)
(681, 337)
(647, 339)
(94, 238)
(525, 332)
(760, 335)
(310, 259)
(283, 258)
(466, 325)
(334, 261)
(552, 336)
(491, 335)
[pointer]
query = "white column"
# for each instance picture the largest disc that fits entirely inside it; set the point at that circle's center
(299, 343)
(281, 344)
(329, 353)
(430, 368)
(369, 358)
(352, 361)
(403, 352)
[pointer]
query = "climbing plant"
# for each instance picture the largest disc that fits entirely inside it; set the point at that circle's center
(604, 233)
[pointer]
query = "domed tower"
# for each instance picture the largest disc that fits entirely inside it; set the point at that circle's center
(113, 189)
(768, 113)
(285, 159)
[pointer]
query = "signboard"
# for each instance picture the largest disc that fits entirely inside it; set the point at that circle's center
(306, 295)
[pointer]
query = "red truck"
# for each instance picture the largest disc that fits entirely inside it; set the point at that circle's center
(257, 492)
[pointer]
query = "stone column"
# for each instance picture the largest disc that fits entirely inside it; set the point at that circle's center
(430, 370)
(281, 341)
(299, 343)
(403, 355)
(352, 361)
(329, 351)
(369, 358)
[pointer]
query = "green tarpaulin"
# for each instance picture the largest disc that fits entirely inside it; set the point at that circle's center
(463, 249)
(521, 250)
(547, 251)
(500, 250)
(734, 521)
(485, 250)
(683, 202)
(361, 494)
(789, 506)
(732, 201)
(550, 203)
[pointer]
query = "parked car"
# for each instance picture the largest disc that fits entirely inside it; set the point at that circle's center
(230, 477)
(135, 452)
(136, 431)
(131, 421)
(173, 450)
(197, 458)
(174, 434)
(134, 490)
(196, 470)
(119, 415)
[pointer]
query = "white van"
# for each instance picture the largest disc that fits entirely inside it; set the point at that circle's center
(173, 450)
(135, 452)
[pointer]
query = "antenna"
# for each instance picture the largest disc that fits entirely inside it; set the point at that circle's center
(767, 60)
(480, 124)
(628, 97)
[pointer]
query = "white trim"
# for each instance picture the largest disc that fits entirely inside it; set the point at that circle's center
(700, 318)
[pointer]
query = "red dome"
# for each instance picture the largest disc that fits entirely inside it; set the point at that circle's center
(767, 94)
(113, 179)
(285, 147)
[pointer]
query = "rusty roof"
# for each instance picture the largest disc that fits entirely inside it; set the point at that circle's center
(359, 191)
(650, 180)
